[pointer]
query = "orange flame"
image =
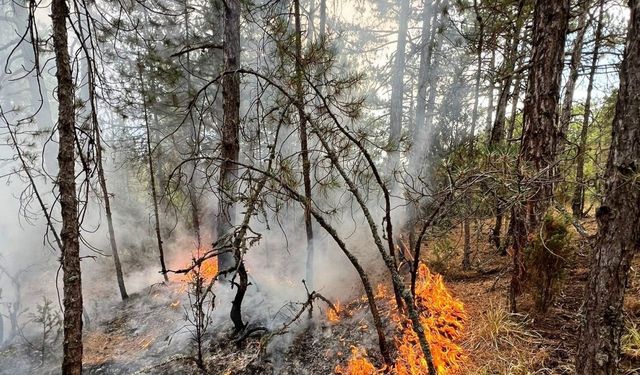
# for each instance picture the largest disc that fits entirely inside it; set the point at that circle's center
(334, 315)
(357, 364)
(208, 270)
(442, 316)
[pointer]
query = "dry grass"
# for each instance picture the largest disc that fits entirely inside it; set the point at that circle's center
(499, 342)
(631, 340)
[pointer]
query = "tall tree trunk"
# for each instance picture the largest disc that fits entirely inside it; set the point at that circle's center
(577, 203)
(230, 154)
(618, 237)
(304, 150)
(70, 257)
(152, 175)
(230, 149)
(537, 153)
(569, 87)
(194, 197)
(397, 87)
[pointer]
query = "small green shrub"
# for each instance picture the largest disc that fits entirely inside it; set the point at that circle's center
(546, 258)
(442, 253)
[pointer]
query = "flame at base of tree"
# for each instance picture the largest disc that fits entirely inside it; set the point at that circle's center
(442, 317)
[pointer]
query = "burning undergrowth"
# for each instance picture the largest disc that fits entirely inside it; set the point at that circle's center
(442, 316)
(150, 332)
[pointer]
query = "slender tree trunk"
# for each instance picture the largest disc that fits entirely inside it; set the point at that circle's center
(97, 134)
(537, 153)
(152, 175)
(304, 150)
(515, 97)
(70, 257)
(476, 87)
(492, 85)
(618, 237)
(323, 18)
(466, 259)
(107, 207)
(436, 40)
(574, 66)
(497, 132)
(577, 203)
(397, 87)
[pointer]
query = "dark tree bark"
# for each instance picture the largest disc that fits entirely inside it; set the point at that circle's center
(304, 150)
(230, 149)
(70, 257)
(618, 237)
(230, 155)
(152, 176)
(577, 203)
(539, 137)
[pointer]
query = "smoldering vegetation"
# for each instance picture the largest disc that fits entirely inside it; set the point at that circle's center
(276, 186)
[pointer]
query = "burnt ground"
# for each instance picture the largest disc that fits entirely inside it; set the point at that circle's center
(147, 335)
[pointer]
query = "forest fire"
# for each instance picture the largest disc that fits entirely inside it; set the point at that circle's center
(207, 270)
(442, 317)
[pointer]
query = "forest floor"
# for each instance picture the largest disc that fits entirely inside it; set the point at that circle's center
(529, 342)
(144, 335)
